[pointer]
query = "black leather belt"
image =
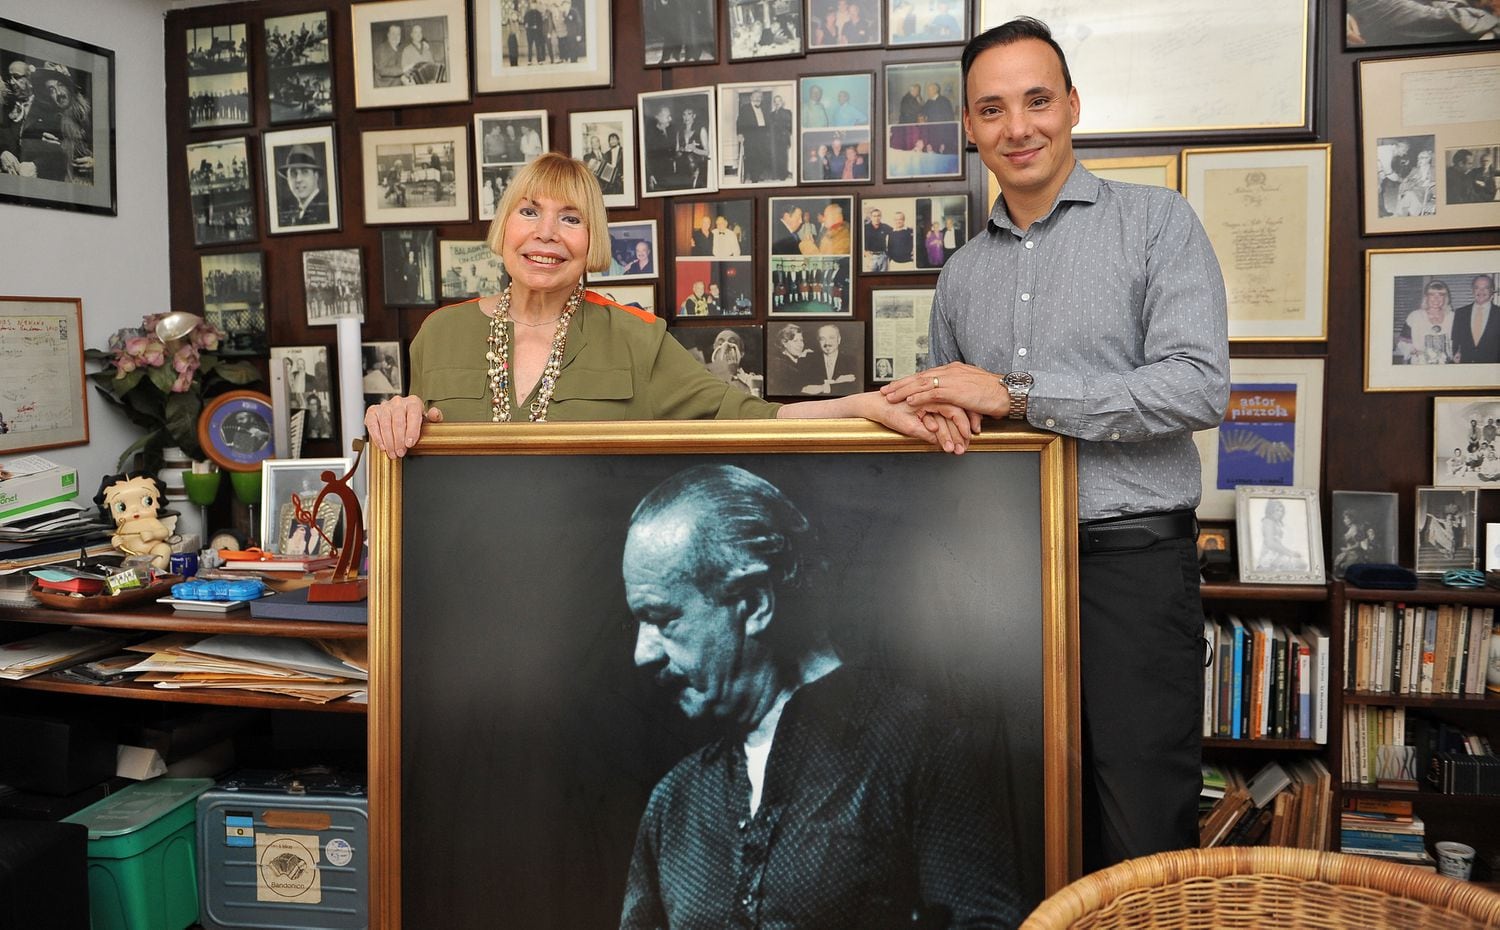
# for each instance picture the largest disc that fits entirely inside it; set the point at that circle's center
(1136, 532)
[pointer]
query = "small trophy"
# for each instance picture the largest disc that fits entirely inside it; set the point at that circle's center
(345, 584)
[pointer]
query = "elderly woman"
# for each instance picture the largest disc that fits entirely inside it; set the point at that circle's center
(547, 348)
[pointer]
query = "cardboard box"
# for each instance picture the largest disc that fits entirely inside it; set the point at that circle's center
(25, 493)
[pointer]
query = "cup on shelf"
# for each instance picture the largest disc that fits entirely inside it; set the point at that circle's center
(1455, 860)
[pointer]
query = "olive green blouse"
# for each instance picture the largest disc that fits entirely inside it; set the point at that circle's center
(619, 364)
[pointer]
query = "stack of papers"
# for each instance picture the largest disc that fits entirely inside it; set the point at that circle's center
(39, 654)
(311, 670)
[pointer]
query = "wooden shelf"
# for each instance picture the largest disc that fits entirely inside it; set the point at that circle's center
(1239, 591)
(167, 620)
(1262, 744)
(143, 692)
(1427, 592)
(1426, 798)
(1433, 701)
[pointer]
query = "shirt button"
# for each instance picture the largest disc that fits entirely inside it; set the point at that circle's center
(1025, 296)
(1114, 435)
(746, 901)
(1030, 244)
(1051, 422)
(1021, 351)
(744, 822)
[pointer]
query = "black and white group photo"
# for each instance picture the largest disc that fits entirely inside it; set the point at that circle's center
(735, 355)
(308, 387)
(333, 285)
(765, 29)
(544, 33)
(817, 359)
(679, 32)
(223, 198)
(1466, 442)
(677, 142)
(468, 268)
(299, 74)
(409, 266)
(409, 51)
(416, 174)
(234, 300)
(757, 130)
(218, 76)
(503, 142)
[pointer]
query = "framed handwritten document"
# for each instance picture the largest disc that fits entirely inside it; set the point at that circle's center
(42, 402)
(1160, 67)
(1266, 213)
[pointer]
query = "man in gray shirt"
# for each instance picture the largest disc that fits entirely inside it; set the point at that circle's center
(1096, 309)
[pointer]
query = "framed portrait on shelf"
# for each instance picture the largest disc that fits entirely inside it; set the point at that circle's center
(1364, 529)
(64, 150)
(302, 181)
(1420, 316)
(1280, 535)
(218, 76)
(604, 140)
(769, 30)
(43, 404)
(639, 296)
(1272, 433)
(1212, 539)
(381, 371)
(1160, 68)
(735, 355)
(678, 151)
(503, 142)
(409, 266)
(468, 269)
(713, 248)
(1447, 523)
(911, 234)
(919, 22)
(299, 72)
(221, 190)
(1371, 24)
(633, 251)
(565, 44)
(416, 175)
(1265, 209)
(289, 488)
(815, 358)
(924, 136)
(1429, 142)
(309, 391)
(833, 25)
(234, 299)
(679, 32)
(333, 286)
(757, 134)
(409, 52)
(836, 131)
(235, 431)
(1466, 442)
(811, 271)
(899, 342)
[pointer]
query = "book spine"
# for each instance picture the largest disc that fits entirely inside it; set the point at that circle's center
(1429, 648)
(1278, 686)
(1398, 650)
(1209, 692)
(1237, 710)
(1225, 669)
(1304, 691)
(1362, 666)
(1320, 708)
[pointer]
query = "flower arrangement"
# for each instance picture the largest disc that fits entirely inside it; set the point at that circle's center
(161, 385)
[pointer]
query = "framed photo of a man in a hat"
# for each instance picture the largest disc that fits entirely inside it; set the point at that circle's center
(301, 180)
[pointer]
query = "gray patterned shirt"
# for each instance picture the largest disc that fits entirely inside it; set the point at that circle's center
(1114, 302)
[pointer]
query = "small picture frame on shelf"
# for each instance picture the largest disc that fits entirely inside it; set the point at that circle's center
(1447, 526)
(1280, 535)
(1216, 552)
(290, 485)
(1364, 529)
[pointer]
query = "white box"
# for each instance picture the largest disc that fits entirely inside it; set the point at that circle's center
(25, 493)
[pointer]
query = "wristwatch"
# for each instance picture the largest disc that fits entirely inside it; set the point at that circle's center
(1018, 383)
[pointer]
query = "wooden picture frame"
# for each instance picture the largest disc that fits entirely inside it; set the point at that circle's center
(43, 401)
(567, 716)
(1466, 442)
(505, 49)
(302, 180)
(1434, 290)
(235, 430)
(392, 70)
(1367, 25)
(416, 175)
(1447, 529)
(299, 67)
(75, 175)
(1363, 529)
(614, 166)
(1266, 212)
(1279, 535)
(280, 479)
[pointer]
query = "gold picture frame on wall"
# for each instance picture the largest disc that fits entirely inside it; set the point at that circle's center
(1160, 170)
(524, 685)
(1419, 319)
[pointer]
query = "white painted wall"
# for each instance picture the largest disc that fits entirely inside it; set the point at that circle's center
(116, 264)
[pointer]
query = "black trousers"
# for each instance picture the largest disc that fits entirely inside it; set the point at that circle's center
(1141, 650)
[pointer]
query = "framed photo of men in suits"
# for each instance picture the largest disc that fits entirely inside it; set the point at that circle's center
(301, 180)
(757, 132)
(604, 140)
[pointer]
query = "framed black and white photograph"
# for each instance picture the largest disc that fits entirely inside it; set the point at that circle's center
(679, 32)
(222, 191)
(541, 44)
(811, 268)
(840, 24)
(578, 704)
(43, 403)
(713, 251)
(1447, 525)
(234, 300)
(218, 76)
(468, 269)
(765, 29)
(57, 121)
(309, 394)
(1280, 535)
(333, 286)
(301, 180)
(900, 344)
(1430, 320)
(416, 175)
(1376, 24)
(409, 267)
(409, 52)
(757, 134)
(735, 355)
(1364, 529)
(503, 142)
(924, 135)
(927, 22)
(911, 234)
(299, 72)
(815, 359)
(605, 141)
(632, 251)
(1466, 442)
(380, 368)
(288, 491)
(677, 142)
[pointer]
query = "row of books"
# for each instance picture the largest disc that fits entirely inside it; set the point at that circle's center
(1287, 804)
(1384, 829)
(1396, 648)
(1391, 747)
(1265, 681)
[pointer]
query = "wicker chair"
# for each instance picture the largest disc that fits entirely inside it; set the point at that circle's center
(1284, 889)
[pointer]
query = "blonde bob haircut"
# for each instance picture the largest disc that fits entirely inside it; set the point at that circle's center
(557, 177)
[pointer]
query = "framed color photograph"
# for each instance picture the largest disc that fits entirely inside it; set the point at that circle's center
(72, 84)
(1272, 433)
(1280, 535)
(815, 358)
(979, 650)
(1466, 442)
(416, 175)
(301, 179)
(679, 32)
(380, 368)
(605, 141)
(678, 151)
(234, 300)
(309, 390)
(409, 52)
(333, 286)
(713, 265)
(1364, 529)
(771, 29)
(899, 341)
(42, 399)
(812, 256)
(1265, 209)
(218, 73)
(409, 264)
(924, 136)
(299, 73)
(633, 251)
(735, 355)
(503, 142)
(834, 142)
(235, 430)
(1430, 135)
(1376, 24)
(839, 24)
(639, 296)
(468, 269)
(541, 45)
(910, 234)
(757, 134)
(222, 191)
(1447, 524)
(927, 22)
(1422, 310)
(290, 487)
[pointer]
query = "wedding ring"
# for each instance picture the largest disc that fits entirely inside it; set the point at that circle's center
(934, 381)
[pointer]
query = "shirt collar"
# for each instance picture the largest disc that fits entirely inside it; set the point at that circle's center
(1082, 186)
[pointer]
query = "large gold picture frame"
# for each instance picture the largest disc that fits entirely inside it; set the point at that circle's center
(502, 690)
